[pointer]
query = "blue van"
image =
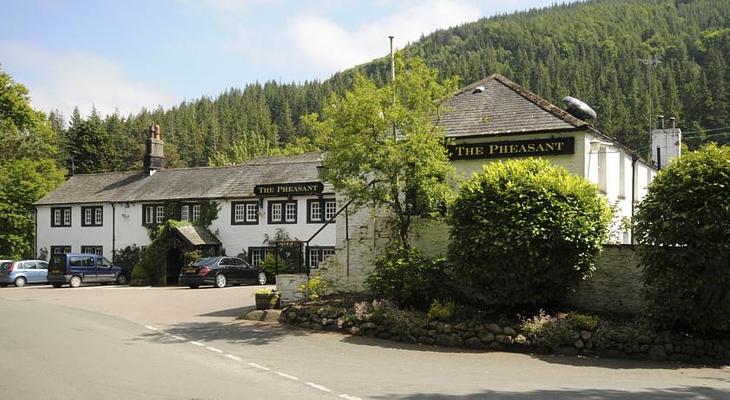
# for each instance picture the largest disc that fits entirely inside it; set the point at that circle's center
(75, 268)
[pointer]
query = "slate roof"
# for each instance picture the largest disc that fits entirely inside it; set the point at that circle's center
(187, 183)
(197, 235)
(504, 107)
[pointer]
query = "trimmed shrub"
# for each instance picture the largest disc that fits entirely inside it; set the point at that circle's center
(683, 228)
(526, 232)
(410, 278)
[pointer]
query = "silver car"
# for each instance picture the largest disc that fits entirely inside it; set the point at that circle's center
(19, 273)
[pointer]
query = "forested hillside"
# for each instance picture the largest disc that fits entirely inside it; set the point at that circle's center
(596, 51)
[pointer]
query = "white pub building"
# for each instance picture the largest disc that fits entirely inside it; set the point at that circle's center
(105, 212)
(490, 120)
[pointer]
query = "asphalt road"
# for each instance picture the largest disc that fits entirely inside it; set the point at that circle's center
(174, 343)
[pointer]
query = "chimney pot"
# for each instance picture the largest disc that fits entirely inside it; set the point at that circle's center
(672, 122)
(661, 122)
(157, 131)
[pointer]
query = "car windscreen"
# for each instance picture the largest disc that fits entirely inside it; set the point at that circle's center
(206, 261)
(6, 265)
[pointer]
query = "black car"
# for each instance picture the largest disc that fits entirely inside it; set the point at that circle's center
(219, 271)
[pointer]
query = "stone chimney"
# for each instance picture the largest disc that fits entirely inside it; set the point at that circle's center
(154, 155)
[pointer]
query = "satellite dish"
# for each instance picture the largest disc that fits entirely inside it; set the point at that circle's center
(579, 109)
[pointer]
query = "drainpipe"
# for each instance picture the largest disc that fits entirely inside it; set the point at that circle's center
(634, 159)
(114, 232)
(35, 237)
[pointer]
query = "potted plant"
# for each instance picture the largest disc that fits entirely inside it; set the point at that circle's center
(267, 298)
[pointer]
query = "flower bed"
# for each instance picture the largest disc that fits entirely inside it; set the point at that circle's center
(567, 334)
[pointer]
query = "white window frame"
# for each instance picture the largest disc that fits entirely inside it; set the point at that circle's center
(98, 216)
(196, 212)
(251, 212)
(315, 211)
(57, 217)
(290, 212)
(87, 216)
(67, 217)
(330, 209)
(159, 214)
(239, 212)
(276, 212)
(185, 212)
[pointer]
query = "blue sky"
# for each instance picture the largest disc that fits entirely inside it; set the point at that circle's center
(127, 55)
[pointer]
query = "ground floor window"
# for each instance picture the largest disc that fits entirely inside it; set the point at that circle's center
(256, 255)
(316, 255)
(60, 249)
(98, 250)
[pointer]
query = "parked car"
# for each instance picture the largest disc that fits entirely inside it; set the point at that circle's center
(219, 271)
(22, 272)
(76, 268)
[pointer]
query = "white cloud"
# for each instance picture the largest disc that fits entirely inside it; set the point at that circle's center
(328, 46)
(63, 80)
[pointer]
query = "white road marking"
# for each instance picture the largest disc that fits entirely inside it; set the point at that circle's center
(178, 337)
(287, 376)
(314, 385)
(219, 351)
(348, 397)
(196, 343)
(259, 366)
(152, 328)
(232, 357)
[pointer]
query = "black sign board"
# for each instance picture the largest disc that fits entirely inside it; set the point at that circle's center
(513, 148)
(289, 189)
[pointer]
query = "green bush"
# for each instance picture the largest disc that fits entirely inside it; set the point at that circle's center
(442, 310)
(559, 330)
(152, 266)
(526, 231)
(315, 288)
(683, 229)
(410, 278)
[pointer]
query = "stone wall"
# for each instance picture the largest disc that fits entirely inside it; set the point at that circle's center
(615, 286)
(603, 339)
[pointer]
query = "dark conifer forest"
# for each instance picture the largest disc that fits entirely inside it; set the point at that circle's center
(599, 51)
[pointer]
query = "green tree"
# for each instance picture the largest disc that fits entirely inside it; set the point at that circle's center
(22, 182)
(683, 228)
(526, 231)
(382, 143)
(89, 144)
(27, 167)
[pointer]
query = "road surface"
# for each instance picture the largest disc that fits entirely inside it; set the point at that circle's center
(175, 343)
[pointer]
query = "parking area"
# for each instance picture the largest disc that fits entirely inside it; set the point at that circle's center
(163, 306)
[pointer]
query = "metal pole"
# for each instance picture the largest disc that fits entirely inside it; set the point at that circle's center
(392, 78)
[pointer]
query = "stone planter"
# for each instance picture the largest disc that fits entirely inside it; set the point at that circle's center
(267, 301)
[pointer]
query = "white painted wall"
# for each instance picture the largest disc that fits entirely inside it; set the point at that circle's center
(240, 237)
(130, 231)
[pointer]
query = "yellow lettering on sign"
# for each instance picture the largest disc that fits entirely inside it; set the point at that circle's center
(493, 148)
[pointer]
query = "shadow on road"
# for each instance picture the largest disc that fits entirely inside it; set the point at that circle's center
(589, 394)
(230, 312)
(247, 333)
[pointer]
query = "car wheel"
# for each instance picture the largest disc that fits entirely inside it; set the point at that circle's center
(262, 278)
(75, 281)
(20, 281)
(193, 286)
(56, 285)
(121, 279)
(220, 281)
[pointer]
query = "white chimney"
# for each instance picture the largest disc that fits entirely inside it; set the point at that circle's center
(666, 143)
